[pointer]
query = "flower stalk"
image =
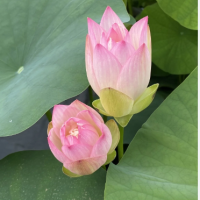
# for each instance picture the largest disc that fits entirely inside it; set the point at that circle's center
(105, 118)
(90, 95)
(120, 147)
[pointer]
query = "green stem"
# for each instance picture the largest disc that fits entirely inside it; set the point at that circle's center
(129, 5)
(120, 147)
(91, 95)
(105, 118)
(49, 115)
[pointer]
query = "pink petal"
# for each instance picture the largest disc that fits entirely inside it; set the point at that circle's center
(55, 139)
(86, 166)
(67, 139)
(149, 39)
(89, 65)
(62, 113)
(80, 122)
(89, 127)
(128, 38)
(55, 147)
(143, 36)
(87, 136)
(111, 44)
(81, 106)
(122, 51)
(92, 119)
(138, 32)
(103, 40)
(109, 18)
(106, 67)
(77, 151)
(103, 144)
(57, 116)
(118, 31)
(95, 31)
(113, 34)
(71, 140)
(135, 75)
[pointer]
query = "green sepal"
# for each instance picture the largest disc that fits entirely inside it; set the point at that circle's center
(123, 121)
(145, 99)
(98, 106)
(110, 157)
(69, 173)
(115, 103)
(50, 126)
(111, 124)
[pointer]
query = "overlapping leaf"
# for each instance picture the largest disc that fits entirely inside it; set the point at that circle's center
(42, 47)
(140, 118)
(174, 47)
(183, 11)
(38, 175)
(161, 161)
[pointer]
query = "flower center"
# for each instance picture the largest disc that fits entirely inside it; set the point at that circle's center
(74, 132)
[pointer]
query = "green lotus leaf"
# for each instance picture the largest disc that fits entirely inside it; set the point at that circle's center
(161, 161)
(38, 175)
(130, 23)
(42, 55)
(183, 11)
(174, 47)
(139, 119)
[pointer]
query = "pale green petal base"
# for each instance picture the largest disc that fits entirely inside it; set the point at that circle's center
(123, 121)
(97, 104)
(115, 103)
(145, 99)
(110, 157)
(69, 173)
(111, 124)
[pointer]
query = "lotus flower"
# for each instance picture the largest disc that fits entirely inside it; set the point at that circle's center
(118, 65)
(78, 138)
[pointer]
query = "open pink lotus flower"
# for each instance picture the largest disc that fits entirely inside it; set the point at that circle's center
(78, 138)
(118, 65)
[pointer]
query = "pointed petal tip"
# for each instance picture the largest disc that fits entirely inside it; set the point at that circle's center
(108, 8)
(87, 39)
(98, 46)
(143, 47)
(145, 19)
(57, 107)
(76, 101)
(89, 19)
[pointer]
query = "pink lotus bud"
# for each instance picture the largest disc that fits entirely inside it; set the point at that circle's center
(78, 138)
(119, 60)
